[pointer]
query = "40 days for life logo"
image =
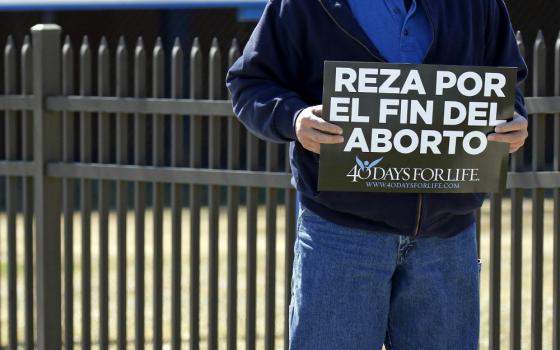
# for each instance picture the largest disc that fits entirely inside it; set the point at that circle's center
(362, 170)
(415, 128)
(371, 171)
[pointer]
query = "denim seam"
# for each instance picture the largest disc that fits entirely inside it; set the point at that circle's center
(300, 217)
(389, 343)
(403, 250)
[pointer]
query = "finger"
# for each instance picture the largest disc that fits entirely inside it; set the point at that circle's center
(321, 124)
(519, 143)
(505, 138)
(518, 123)
(321, 137)
(511, 137)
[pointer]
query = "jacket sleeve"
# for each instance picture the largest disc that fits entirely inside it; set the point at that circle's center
(263, 81)
(502, 49)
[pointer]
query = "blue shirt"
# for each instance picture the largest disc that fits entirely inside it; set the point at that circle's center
(401, 36)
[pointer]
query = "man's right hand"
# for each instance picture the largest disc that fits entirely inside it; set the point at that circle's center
(312, 130)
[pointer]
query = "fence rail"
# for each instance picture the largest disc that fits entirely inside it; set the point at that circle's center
(168, 144)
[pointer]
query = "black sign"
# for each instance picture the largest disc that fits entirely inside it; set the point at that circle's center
(415, 128)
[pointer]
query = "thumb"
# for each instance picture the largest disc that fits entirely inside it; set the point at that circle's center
(317, 110)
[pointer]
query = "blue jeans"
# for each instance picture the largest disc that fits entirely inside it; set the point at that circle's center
(356, 289)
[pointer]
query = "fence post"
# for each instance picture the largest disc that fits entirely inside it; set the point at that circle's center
(516, 286)
(47, 142)
(556, 212)
(538, 160)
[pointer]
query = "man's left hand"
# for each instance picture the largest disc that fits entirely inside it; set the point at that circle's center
(514, 132)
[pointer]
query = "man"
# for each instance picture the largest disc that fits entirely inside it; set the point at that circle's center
(372, 268)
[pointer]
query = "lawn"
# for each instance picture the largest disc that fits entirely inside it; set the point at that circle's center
(526, 302)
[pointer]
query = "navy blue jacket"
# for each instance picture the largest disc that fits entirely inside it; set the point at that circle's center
(281, 72)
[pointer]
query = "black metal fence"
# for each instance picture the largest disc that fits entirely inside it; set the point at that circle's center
(190, 150)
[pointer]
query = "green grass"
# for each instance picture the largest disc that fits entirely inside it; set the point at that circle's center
(261, 240)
